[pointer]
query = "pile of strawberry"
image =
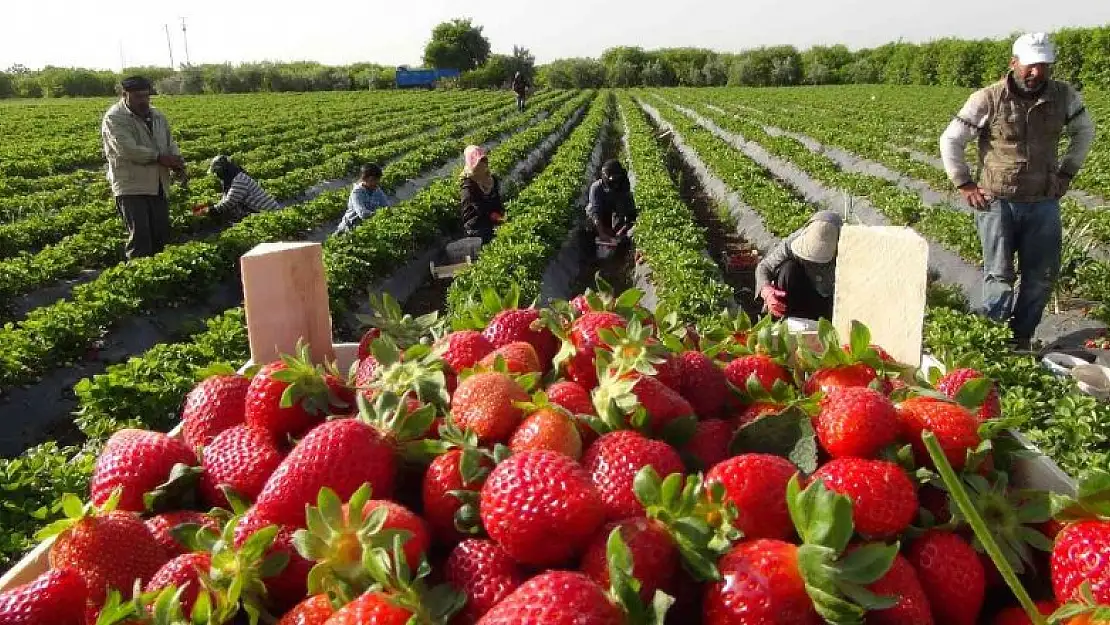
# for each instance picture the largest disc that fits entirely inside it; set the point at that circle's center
(587, 463)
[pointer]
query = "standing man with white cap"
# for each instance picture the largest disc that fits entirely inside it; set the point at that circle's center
(1018, 122)
(796, 278)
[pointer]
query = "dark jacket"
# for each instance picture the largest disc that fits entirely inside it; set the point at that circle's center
(477, 207)
(616, 208)
(520, 85)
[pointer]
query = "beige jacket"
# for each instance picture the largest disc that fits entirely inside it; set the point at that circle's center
(132, 151)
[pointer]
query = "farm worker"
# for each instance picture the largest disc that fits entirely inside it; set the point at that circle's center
(141, 155)
(611, 207)
(365, 199)
(796, 278)
(480, 194)
(242, 195)
(1018, 122)
(520, 87)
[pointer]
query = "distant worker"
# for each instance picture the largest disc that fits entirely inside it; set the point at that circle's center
(141, 155)
(1018, 122)
(796, 278)
(520, 87)
(241, 194)
(482, 208)
(611, 208)
(365, 199)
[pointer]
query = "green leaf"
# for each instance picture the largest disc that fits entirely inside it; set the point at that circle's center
(868, 564)
(646, 486)
(788, 434)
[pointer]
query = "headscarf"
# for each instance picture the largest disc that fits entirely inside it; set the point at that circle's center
(224, 169)
(472, 155)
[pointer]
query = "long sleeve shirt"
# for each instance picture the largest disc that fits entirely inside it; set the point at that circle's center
(823, 275)
(132, 145)
(361, 204)
(610, 207)
(245, 196)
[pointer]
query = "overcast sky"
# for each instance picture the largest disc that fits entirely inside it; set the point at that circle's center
(91, 34)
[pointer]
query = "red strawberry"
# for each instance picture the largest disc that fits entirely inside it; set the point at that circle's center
(56, 597)
(856, 421)
(136, 461)
(662, 404)
(956, 429)
(484, 403)
(709, 444)
(901, 582)
(372, 608)
(515, 324)
(316, 610)
(485, 573)
(444, 477)
(541, 507)
(462, 350)
(858, 374)
(576, 400)
(290, 586)
(556, 598)
(548, 428)
(585, 339)
(214, 405)
(951, 576)
(951, 384)
(581, 304)
(1082, 553)
(315, 396)
(242, 458)
(520, 358)
(367, 339)
(755, 411)
(884, 500)
(756, 483)
(704, 385)
(760, 583)
(161, 526)
(613, 462)
(762, 366)
(655, 557)
(398, 517)
(1015, 615)
(182, 572)
(364, 375)
(670, 371)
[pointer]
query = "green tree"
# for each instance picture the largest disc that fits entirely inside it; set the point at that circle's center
(457, 44)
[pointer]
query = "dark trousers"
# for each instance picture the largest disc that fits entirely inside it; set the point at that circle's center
(802, 298)
(520, 101)
(147, 218)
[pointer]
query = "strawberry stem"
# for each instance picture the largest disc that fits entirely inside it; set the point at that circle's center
(971, 514)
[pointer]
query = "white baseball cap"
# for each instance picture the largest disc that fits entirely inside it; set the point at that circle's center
(1033, 48)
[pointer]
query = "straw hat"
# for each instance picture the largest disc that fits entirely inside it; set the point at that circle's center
(816, 242)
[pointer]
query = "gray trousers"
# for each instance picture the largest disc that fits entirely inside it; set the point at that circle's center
(147, 218)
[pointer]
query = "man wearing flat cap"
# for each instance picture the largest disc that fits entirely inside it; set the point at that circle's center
(1018, 122)
(797, 276)
(141, 155)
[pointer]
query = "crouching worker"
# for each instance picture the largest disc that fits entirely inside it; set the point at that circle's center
(611, 207)
(797, 276)
(480, 195)
(241, 194)
(365, 199)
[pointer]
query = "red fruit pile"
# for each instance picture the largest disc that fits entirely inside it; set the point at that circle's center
(543, 485)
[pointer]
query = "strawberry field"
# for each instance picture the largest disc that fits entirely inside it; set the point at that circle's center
(547, 436)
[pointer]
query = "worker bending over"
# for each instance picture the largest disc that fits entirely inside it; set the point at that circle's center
(796, 278)
(365, 199)
(611, 208)
(241, 194)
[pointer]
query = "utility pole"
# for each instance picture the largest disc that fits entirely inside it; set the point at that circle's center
(122, 62)
(185, 36)
(169, 43)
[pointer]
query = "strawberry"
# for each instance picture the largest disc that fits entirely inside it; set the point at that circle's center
(523, 324)
(461, 350)
(241, 458)
(884, 500)
(372, 608)
(519, 356)
(56, 597)
(368, 339)
(583, 338)
(556, 598)
(576, 400)
(398, 517)
(548, 428)
(952, 382)
(709, 444)
(756, 410)
(951, 576)
(485, 573)
(288, 397)
(857, 374)
(1015, 615)
(756, 484)
(316, 610)
(704, 385)
(214, 405)
(109, 548)
(1082, 554)
(760, 583)
(365, 375)
(956, 429)
(387, 319)
(290, 586)
(613, 462)
(182, 572)
(856, 421)
(443, 481)
(484, 403)
(162, 525)
(655, 557)
(138, 462)
(541, 507)
(765, 369)
(901, 582)
(619, 398)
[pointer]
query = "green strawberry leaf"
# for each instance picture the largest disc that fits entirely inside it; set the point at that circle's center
(788, 434)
